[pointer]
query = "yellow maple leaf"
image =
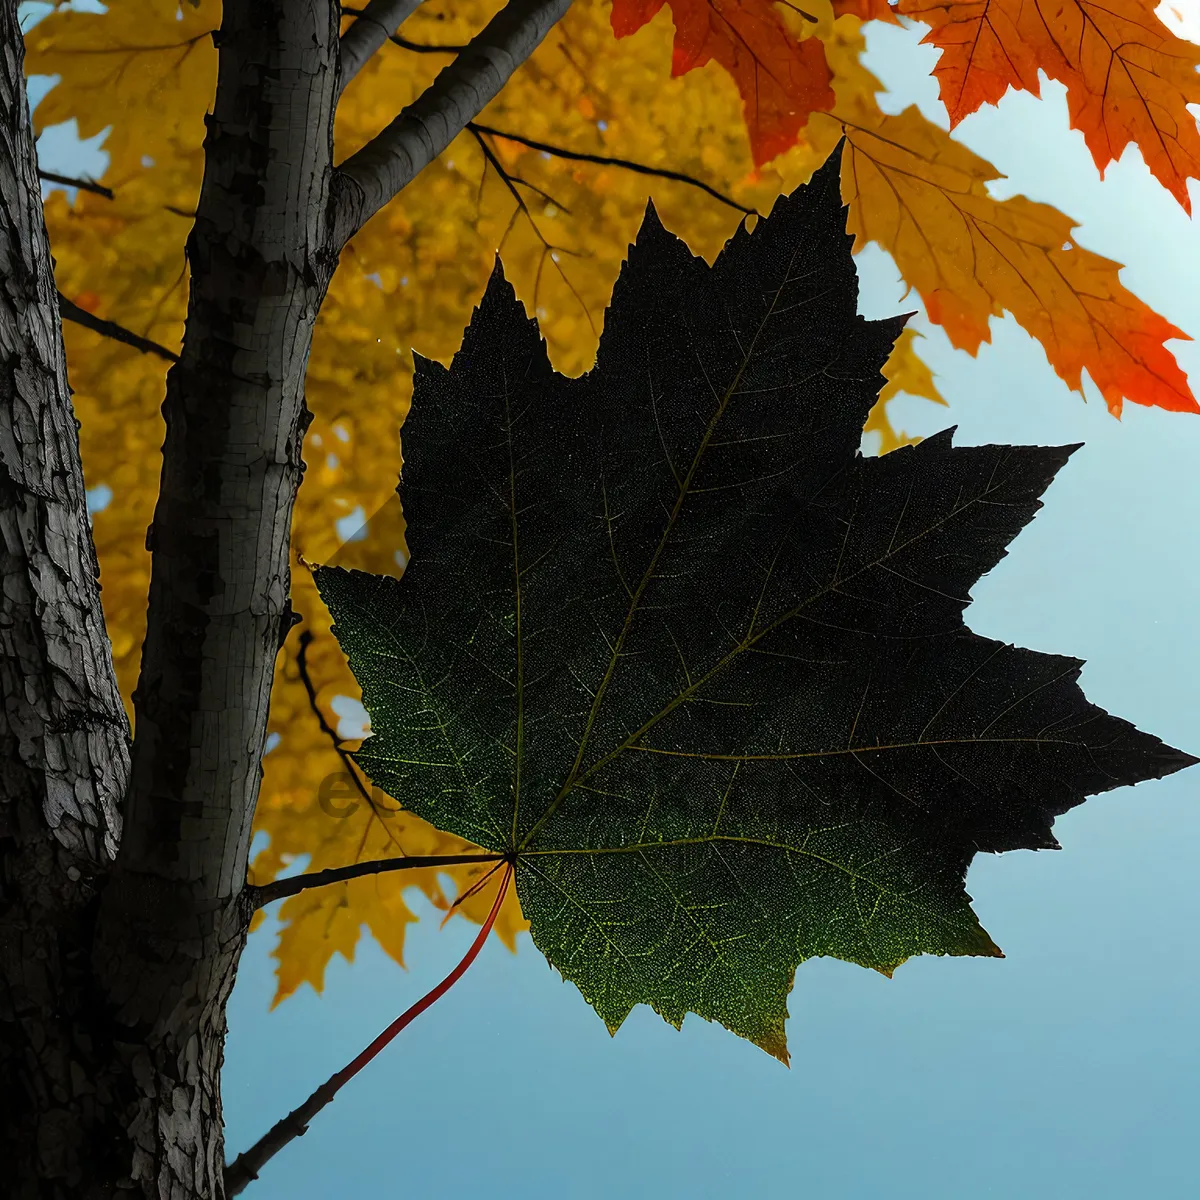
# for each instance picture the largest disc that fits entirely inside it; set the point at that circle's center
(136, 69)
(906, 372)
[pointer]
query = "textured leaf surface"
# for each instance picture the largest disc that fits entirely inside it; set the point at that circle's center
(923, 197)
(410, 279)
(1129, 79)
(700, 668)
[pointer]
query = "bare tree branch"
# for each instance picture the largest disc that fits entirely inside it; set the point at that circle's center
(306, 640)
(375, 25)
(86, 185)
(339, 745)
(404, 43)
(90, 185)
(553, 251)
(368, 179)
(510, 180)
(280, 888)
(72, 312)
(607, 160)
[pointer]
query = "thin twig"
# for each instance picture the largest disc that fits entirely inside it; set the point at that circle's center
(90, 185)
(607, 160)
(547, 248)
(306, 640)
(510, 180)
(280, 889)
(806, 15)
(72, 312)
(86, 185)
(245, 1168)
(339, 745)
(533, 187)
(463, 896)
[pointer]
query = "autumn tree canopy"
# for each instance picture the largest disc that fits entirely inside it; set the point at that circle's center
(714, 108)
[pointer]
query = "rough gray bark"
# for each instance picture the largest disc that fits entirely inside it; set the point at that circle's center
(63, 732)
(123, 905)
(114, 976)
(372, 27)
(171, 923)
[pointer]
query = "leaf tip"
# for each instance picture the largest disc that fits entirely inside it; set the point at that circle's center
(423, 365)
(497, 287)
(651, 227)
(1178, 760)
(775, 1044)
(983, 946)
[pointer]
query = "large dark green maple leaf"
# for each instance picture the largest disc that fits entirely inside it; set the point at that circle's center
(696, 666)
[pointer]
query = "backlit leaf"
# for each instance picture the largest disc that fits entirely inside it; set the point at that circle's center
(695, 665)
(1129, 79)
(923, 197)
(409, 279)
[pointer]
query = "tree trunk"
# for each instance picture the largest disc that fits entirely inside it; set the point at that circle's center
(64, 757)
(114, 975)
(123, 910)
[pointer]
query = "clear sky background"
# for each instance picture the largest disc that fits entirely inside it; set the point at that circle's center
(1067, 1071)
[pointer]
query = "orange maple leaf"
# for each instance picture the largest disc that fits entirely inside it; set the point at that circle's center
(782, 80)
(1128, 77)
(923, 197)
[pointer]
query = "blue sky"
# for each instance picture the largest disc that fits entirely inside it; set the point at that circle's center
(1067, 1070)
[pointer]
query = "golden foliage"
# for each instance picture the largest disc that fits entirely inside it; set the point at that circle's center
(906, 373)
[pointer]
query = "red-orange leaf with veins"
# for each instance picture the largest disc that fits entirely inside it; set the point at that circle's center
(1128, 77)
(782, 79)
